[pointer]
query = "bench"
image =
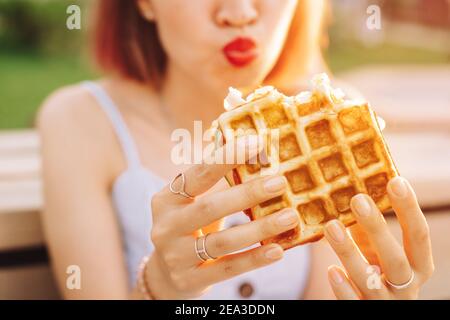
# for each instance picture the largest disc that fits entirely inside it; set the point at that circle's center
(24, 267)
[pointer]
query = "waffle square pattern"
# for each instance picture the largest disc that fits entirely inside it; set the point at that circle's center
(328, 148)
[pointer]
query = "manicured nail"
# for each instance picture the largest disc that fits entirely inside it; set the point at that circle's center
(335, 276)
(287, 218)
(398, 187)
(274, 253)
(275, 184)
(361, 205)
(335, 230)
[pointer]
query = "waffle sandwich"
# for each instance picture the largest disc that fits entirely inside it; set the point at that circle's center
(328, 148)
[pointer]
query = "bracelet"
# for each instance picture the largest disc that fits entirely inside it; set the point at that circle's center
(142, 279)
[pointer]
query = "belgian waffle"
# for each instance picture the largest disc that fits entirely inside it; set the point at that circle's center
(328, 148)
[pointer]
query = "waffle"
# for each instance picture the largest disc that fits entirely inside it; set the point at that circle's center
(328, 148)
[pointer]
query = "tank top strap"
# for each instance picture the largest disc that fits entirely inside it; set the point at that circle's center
(109, 107)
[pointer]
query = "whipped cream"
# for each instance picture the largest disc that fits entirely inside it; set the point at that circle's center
(260, 92)
(381, 123)
(303, 97)
(321, 84)
(233, 100)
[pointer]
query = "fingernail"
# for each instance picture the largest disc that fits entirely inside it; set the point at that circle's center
(398, 187)
(361, 205)
(274, 253)
(275, 184)
(335, 231)
(335, 276)
(287, 218)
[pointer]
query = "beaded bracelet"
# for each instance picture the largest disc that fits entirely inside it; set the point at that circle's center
(142, 279)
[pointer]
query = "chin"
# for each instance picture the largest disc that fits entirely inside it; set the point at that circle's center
(243, 78)
(219, 79)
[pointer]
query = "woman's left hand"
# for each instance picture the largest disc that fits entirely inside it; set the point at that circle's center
(402, 270)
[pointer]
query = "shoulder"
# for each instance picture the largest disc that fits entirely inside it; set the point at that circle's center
(70, 124)
(65, 106)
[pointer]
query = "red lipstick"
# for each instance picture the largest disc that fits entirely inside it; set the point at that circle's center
(240, 52)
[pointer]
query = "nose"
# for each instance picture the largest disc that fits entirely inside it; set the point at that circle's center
(236, 13)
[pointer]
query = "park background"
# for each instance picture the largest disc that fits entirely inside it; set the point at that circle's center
(39, 54)
(403, 69)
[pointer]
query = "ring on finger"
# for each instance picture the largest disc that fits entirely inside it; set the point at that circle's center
(181, 191)
(200, 250)
(403, 285)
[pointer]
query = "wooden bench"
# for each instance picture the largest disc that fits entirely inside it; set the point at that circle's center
(24, 268)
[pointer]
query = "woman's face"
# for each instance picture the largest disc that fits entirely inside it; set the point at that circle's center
(221, 43)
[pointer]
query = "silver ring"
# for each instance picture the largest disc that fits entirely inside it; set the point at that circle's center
(201, 253)
(181, 192)
(197, 251)
(403, 285)
(204, 248)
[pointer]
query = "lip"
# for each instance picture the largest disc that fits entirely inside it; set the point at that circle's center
(240, 52)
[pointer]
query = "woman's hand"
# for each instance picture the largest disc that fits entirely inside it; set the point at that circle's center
(178, 221)
(398, 264)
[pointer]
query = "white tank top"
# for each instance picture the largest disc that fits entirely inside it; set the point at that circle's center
(131, 194)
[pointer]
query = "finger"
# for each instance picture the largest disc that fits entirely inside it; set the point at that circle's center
(361, 238)
(245, 235)
(214, 206)
(201, 177)
(218, 244)
(233, 265)
(391, 256)
(416, 234)
(352, 259)
(341, 284)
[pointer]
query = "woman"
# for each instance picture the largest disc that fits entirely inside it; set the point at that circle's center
(106, 157)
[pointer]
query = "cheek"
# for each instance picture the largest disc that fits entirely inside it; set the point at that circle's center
(274, 23)
(276, 17)
(183, 31)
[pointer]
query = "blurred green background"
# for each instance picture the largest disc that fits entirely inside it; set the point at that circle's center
(39, 54)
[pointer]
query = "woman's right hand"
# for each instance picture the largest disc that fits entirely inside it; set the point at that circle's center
(178, 221)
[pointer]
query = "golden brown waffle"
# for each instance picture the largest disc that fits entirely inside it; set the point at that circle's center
(329, 150)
